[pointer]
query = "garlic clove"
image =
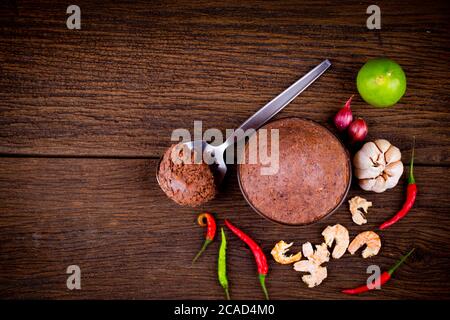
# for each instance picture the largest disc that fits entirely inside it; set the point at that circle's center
(379, 160)
(363, 158)
(383, 145)
(361, 161)
(371, 150)
(367, 184)
(394, 169)
(393, 154)
(392, 181)
(369, 173)
(379, 185)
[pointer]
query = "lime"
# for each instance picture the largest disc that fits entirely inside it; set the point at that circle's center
(381, 82)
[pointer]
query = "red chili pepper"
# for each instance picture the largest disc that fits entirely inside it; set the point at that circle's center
(210, 231)
(385, 276)
(260, 257)
(411, 194)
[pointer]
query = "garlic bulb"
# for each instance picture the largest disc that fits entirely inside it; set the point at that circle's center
(378, 166)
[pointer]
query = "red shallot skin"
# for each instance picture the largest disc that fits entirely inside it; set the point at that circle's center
(344, 117)
(357, 131)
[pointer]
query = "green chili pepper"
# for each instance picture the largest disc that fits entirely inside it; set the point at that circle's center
(222, 265)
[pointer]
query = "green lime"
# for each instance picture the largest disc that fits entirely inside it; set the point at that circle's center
(381, 82)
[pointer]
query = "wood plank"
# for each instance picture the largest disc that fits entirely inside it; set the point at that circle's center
(109, 217)
(133, 73)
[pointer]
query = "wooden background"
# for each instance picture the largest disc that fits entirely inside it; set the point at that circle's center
(85, 115)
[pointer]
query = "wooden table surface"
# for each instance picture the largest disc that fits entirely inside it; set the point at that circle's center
(85, 115)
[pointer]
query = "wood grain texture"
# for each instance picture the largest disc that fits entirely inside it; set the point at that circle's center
(136, 71)
(85, 114)
(110, 218)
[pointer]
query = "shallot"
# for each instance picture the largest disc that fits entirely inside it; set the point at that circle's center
(357, 131)
(344, 117)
